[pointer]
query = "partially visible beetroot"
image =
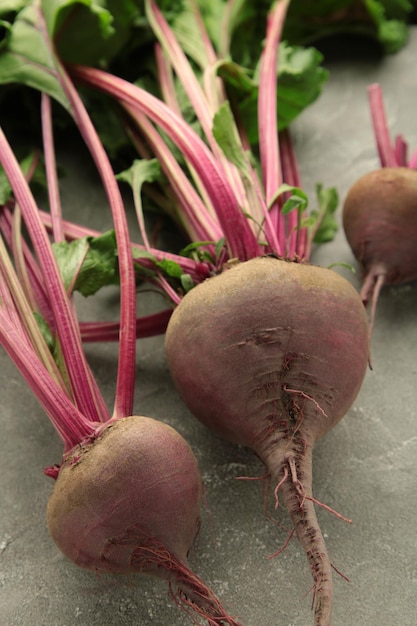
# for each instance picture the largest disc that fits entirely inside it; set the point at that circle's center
(380, 212)
(380, 223)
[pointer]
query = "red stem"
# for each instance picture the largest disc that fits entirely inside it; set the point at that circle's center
(386, 152)
(50, 166)
(297, 246)
(38, 297)
(146, 326)
(78, 370)
(71, 425)
(125, 384)
(267, 115)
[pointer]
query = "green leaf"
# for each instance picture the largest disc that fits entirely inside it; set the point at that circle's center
(300, 82)
(141, 171)
(38, 177)
(220, 247)
(27, 59)
(5, 31)
(341, 264)
(298, 198)
(392, 33)
(194, 246)
(236, 76)
(45, 331)
(170, 268)
(293, 202)
(11, 6)
(56, 14)
(382, 20)
(100, 266)
(89, 263)
(70, 256)
(224, 131)
(92, 32)
(328, 201)
(187, 282)
(84, 31)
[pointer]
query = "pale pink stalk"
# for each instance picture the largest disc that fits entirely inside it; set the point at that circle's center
(196, 95)
(78, 370)
(29, 274)
(386, 152)
(51, 174)
(15, 239)
(213, 86)
(195, 218)
(166, 85)
(255, 192)
(7, 301)
(70, 423)
(19, 310)
(125, 384)
(267, 119)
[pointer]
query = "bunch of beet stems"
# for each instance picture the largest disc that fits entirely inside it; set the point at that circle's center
(102, 512)
(243, 343)
(379, 211)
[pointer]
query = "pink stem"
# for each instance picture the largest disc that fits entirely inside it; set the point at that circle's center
(78, 370)
(297, 235)
(146, 326)
(193, 90)
(125, 384)
(199, 223)
(51, 175)
(267, 115)
(68, 421)
(28, 270)
(236, 229)
(401, 149)
(386, 152)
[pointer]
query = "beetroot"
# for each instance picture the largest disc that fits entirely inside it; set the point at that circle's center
(379, 219)
(93, 510)
(271, 354)
(130, 501)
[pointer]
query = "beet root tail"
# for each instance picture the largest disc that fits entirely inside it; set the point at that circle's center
(187, 589)
(192, 594)
(294, 489)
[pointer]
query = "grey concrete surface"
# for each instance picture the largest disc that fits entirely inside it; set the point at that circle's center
(366, 468)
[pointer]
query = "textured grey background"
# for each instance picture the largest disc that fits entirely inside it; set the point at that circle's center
(365, 468)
